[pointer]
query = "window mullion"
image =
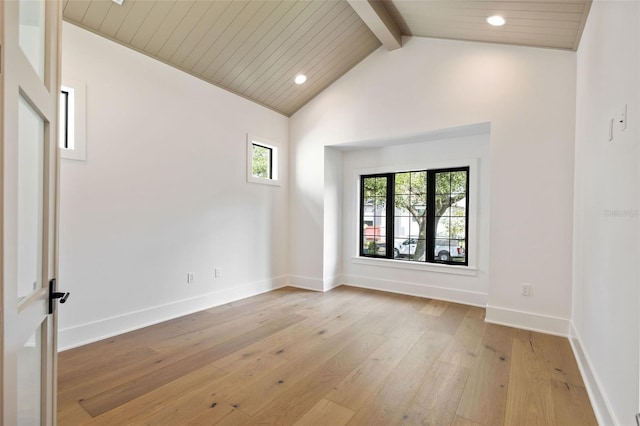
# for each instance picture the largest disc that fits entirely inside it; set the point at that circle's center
(431, 215)
(390, 214)
(66, 118)
(466, 220)
(361, 232)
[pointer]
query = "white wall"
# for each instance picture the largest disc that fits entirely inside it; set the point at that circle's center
(333, 223)
(606, 252)
(528, 96)
(471, 285)
(163, 192)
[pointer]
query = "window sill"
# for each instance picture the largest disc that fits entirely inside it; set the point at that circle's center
(263, 181)
(427, 267)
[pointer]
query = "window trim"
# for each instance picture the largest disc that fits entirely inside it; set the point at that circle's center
(273, 161)
(443, 268)
(472, 215)
(77, 108)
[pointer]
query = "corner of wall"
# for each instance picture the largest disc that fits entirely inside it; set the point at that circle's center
(528, 321)
(601, 406)
(306, 283)
(333, 282)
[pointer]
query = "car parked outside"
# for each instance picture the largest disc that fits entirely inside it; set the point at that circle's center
(441, 250)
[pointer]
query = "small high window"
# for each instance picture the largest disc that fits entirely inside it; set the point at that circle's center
(72, 120)
(67, 109)
(262, 161)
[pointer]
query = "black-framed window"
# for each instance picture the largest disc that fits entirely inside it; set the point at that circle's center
(64, 118)
(262, 161)
(420, 216)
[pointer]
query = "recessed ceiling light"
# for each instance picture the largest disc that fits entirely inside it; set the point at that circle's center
(300, 78)
(118, 2)
(496, 20)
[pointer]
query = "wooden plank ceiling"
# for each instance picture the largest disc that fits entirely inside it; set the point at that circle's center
(255, 48)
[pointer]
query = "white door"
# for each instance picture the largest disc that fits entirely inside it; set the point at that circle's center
(29, 84)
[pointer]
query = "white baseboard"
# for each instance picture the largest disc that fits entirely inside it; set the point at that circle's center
(599, 401)
(528, 321)
(306, 283)
(421, 290)
(333, 282)
(315, 284)
(72, 337)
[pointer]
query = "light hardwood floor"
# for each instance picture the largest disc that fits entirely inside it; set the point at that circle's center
(346, 357)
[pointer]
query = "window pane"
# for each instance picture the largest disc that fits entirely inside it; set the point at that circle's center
(450, 216)
(459, 208)
(418, 182)
(458, 182)
(64, 124)
(457, 227)
(374, 215)
(381, 187)
(419, 205)
(441, 204)
(261, 162)
(369, 185)
(401, 227)
(419, 250)
(410, 215)
(368, 247)
(418, 228)
(67, 118)
(451, 227)
(459, 251)
(442, 227)
(402, 203)
(404, 248)
(30, 198)
(403, 183)
(443, 183)
(31, 35)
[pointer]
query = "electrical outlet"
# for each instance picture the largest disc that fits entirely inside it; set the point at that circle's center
(217, 272)
(525, 289)
(189, 277)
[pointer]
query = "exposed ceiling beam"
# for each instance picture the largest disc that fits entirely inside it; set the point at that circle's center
(376, 17)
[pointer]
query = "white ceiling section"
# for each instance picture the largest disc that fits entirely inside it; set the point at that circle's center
(256, 48)
(548, 23)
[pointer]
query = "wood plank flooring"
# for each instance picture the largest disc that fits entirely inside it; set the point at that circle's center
(346, 357)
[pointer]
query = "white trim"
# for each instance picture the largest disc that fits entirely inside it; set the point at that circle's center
(418, 266)
(97, 330)
(421, 290)
(275, 165)
(528, 321)
(599, 401)
(476, 129)
(78, 106)
(306, 283)
(333, 282)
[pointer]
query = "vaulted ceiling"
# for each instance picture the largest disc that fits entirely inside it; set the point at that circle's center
(255, 48)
